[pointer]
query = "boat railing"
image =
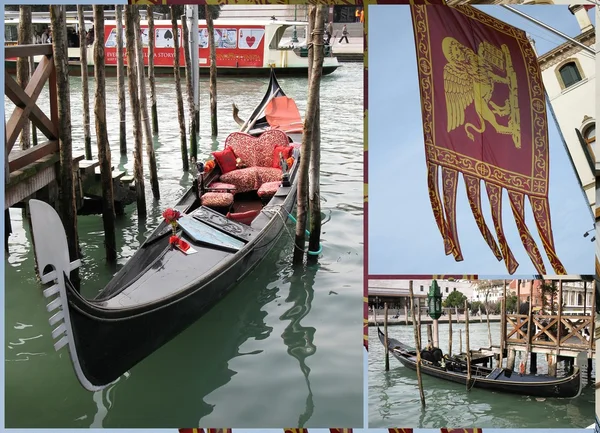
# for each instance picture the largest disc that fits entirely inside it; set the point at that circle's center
(572, 332)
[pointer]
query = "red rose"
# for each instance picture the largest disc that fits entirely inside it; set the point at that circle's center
(171, 215)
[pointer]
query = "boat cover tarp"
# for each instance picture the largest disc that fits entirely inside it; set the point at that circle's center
(282, 113)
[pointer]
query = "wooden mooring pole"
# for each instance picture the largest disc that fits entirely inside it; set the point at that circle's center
(406, 313)
(189, 82)
(138, 167)
(25, 37)
(417, 344)
(449, 332)
(87, 137)
(151, 77)
(213, 71)
(468, 347)
(139, 50)
(121, 83)
(60, 107)
(180, 112)
(385, 330)
(108, 202)
(502, 327)
(460, 351)
(314, 193)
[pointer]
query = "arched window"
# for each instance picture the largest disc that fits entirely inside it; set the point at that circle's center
(569, 74)
(579, 300)
(589, 133)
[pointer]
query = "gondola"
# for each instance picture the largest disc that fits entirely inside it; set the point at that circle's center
(493, 379)
(172, 280)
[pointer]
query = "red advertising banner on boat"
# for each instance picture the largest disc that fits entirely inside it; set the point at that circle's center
(236, 45)
(490, 124)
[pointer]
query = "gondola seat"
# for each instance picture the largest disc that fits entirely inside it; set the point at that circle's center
(260, 159)
(219, 201)
(268, 190)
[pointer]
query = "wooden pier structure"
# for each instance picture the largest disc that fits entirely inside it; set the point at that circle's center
(34, 172)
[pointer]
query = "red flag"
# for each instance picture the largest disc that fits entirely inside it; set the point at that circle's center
(400, 430)
(588, 7)
(462, 430)
(295, 430)
(340, 430)
(487, 120)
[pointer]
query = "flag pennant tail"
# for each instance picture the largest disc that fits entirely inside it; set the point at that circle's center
(295, 430)
(517, 201)
(461, 430)
(436, 206)
(449, 186)
(400, 430)
(541, 214)
(495, 197)
(340, 430)
(473, 186)
(485, 120)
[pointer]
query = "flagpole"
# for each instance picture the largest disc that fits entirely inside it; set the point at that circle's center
(547, 27)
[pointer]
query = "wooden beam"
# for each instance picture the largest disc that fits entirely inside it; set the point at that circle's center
(34, 88)
(21, 99)
(28, 50)
(18, 160)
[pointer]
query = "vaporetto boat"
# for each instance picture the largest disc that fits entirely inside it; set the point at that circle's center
(243, 47)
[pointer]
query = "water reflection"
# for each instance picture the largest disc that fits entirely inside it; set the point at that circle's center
(298, 338)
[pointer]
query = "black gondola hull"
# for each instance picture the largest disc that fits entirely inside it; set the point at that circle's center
(110, 342)
(529, 385)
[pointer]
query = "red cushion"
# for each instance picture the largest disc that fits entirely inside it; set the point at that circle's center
(226, 159)
(286, 150)
(244, 217)
(268, 189)
(217, 199)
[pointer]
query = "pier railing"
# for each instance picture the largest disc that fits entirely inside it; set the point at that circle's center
(569, 332)
(26, 108)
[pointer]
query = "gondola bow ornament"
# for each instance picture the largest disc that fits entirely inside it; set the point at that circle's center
(484, 115)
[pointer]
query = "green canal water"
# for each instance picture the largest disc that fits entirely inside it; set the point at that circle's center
(394, 395)
(283, 349)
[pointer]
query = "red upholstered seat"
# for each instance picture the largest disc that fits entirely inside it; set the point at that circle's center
(244, 217)
(217, 199)
(268, 189)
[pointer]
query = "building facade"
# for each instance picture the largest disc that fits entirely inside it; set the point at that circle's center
(569, 75)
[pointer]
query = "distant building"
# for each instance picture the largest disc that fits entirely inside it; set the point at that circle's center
(577, 296)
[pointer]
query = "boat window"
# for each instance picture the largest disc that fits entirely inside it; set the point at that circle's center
(224, 38)
(11, 33)
(274, 44)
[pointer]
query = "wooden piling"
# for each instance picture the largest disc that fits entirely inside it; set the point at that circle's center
(559, 325)
(108, 203)
(502, 326)
(385, 328)
(304, 164)
(87, 138)
(213, 71)
(34, 141)
(449, 332)
(59, 83)
(487, 318)
(25, 37)
(180, 112)
(429, 336)
(419, 328)
(132, 79)
(139, 50)
(460, 351)
(417, 344)
(523, 368)
(314, 195)
(189, 74)
(151, 77)
(457, 315)
(467, 345)
(121, 83)
(406, 314)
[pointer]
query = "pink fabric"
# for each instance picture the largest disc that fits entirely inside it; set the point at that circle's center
(256, 152)
(268, 189)
(222, 185)
(217, 199)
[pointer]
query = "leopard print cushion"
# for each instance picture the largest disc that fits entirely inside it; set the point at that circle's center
(217, 199)
(268, 189)
(256, 152)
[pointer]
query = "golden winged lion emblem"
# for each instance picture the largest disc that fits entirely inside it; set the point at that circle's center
(469, 78)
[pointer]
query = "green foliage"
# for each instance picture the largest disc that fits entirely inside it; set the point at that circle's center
(511, 303)
(455, 299)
